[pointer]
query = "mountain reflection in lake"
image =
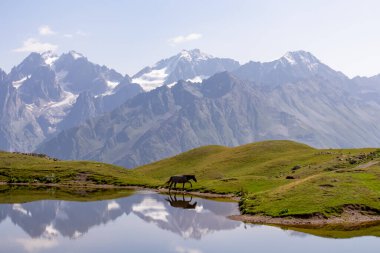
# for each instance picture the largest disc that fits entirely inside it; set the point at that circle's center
(150, 222)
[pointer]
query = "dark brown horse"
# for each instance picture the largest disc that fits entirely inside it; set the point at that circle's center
(185, 204)
(182, 179)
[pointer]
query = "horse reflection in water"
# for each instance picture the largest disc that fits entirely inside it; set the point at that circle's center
(185, 204)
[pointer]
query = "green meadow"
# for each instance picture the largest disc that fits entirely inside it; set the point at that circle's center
(275, 178)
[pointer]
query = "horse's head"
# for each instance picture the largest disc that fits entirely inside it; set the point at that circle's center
(189, 177)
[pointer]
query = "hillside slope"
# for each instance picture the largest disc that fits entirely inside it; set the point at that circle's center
(280, 178)
(22, 168)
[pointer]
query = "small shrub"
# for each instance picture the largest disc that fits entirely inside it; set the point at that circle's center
(352, 161)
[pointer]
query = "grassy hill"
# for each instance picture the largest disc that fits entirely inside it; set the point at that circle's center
(276, 178)
(280, 178)
(39, 169)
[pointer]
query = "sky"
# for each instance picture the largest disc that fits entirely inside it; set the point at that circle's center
(131, 34)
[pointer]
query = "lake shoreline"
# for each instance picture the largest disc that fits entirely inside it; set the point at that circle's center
(350, 216)
(130, 187)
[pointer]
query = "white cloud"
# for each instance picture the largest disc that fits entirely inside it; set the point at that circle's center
(45, 30)
(34, 45)
(68, 35)
(37, 244)
(185, 38)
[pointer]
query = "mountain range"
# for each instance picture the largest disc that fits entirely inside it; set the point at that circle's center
(70, 108)
(45, 94)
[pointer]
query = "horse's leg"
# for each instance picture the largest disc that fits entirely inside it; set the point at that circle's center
(175, 185)
(170, 186)
(171, 196)
(183, 186)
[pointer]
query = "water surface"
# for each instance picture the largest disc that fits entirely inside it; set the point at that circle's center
(150, 222)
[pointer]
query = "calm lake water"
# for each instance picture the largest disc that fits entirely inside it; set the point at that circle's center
(150, 222)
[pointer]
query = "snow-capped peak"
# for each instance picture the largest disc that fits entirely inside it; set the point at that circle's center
(49, 57)
(192, 65)
(289, 58)
(299, 57)
(194, 55)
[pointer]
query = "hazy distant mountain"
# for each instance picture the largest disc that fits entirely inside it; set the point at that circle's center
(296, 97)
(190, 65)
(368, 88)
(292, 67)
(47, 93)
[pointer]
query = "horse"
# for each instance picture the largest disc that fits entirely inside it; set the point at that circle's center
(185, 204)
(180, 179)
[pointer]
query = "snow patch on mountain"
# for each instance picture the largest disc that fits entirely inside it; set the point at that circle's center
(197, 79)
(76, 55)
(53, 111)
(112, 84)
(301, 58)
(111, 88)
(113, 205)
(17, 84)
(67, 101)
(49, 57)
(289, 58)
(171, 84)
(194, 55)
(20, 209)
(151, 80)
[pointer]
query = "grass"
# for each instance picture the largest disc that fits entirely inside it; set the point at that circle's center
(276, 178)
(30, 169)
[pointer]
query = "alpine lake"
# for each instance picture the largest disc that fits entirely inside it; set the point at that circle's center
(45, 219)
